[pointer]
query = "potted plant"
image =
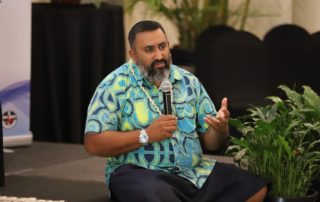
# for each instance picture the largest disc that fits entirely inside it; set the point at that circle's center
(281, 143)
(97, 3)
(191, 17)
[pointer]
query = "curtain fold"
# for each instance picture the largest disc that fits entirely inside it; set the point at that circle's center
(73, 49)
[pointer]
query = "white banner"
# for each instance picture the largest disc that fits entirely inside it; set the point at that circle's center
(15, 71)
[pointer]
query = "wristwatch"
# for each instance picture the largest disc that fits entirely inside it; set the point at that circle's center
(143, 137)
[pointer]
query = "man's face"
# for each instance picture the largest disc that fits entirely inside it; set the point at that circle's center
(151, 53)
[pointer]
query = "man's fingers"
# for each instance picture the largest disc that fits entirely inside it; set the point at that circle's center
(213, 123)
(225, 113)
(171, 128)
(168, 117)
(211, 120)
(224, 103)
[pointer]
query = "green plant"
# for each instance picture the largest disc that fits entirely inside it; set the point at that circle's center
(96, 3)
(191, 17)
(281, 141)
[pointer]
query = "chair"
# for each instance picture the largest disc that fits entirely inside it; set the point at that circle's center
(203, 46)
(316, 79)
(292, 56)
(233, 64)
(316, 36)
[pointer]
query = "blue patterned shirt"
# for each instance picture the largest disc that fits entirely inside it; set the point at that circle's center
(119, 104)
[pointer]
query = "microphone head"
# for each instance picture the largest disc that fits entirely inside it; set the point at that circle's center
(165, 86)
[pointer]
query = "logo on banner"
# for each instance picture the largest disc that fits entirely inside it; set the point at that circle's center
(9, 119)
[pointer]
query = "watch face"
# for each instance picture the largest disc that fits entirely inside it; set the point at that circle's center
(143, 137)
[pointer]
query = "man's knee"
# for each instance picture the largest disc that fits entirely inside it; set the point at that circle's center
(259, 196)
(145, 189)
(140, 185)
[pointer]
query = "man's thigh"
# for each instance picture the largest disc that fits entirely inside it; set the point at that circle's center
(228, 183)
(133, 183)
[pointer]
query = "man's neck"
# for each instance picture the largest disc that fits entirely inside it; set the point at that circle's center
(157, 83)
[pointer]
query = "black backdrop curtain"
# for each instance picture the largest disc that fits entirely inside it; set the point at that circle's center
(73, 49)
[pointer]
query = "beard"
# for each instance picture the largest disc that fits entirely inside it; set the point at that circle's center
(155, 75)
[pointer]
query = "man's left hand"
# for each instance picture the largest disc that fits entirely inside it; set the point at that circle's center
(220, 123)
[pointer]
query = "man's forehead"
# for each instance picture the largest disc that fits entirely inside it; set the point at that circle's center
(150, 38)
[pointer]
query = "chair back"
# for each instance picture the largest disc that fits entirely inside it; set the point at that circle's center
(233, 64)
(292, 55)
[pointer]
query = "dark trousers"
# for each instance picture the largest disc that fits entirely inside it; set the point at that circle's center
(226, 183)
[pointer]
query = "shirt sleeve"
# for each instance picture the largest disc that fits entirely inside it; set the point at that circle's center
(104, 109)
(204, 106)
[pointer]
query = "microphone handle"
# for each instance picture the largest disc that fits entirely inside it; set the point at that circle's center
(167, 103)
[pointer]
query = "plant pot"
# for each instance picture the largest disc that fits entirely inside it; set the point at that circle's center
(312, 197)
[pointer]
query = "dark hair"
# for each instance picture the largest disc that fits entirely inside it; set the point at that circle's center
(143, 26)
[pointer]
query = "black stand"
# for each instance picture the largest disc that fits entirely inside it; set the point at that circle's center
(1, 152)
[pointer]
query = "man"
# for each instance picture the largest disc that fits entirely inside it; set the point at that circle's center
(156, 157)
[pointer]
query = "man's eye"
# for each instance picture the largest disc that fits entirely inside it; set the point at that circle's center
(162, 46)
(149, 50)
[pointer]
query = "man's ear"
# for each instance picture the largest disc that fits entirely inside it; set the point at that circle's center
(132, 55)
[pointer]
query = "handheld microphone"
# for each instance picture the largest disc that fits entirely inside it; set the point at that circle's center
(166, 87)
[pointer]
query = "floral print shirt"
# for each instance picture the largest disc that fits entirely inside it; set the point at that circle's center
(119, 104)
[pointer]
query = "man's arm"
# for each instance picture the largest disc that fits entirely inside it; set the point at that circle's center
(218, 131)
(111, 143)
(115, 143)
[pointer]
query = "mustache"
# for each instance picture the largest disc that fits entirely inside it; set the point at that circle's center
(160, 61)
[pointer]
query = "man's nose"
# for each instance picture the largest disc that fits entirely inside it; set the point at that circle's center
(158, 55)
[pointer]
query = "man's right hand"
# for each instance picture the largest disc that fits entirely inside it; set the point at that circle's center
(115, 143)
(162, 128)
